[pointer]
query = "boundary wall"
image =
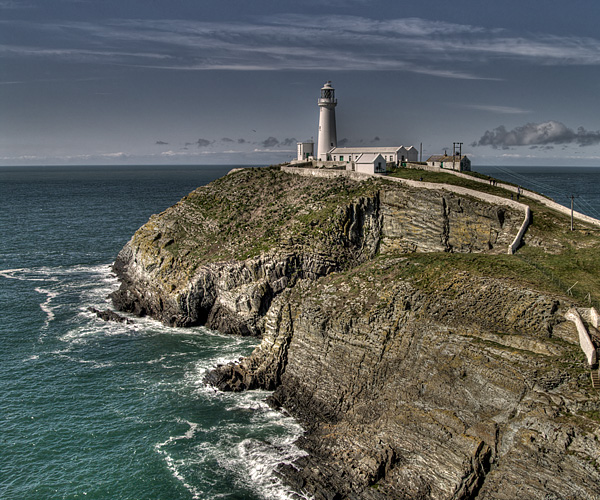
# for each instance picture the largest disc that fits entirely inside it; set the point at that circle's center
(595, 317)
(585, 341)
(515, 189)
(489, 198)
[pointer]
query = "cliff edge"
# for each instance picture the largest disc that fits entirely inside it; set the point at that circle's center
(423, 361)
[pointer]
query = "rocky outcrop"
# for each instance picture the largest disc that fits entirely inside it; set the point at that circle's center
(190, 265)
(108, 315)
(416, 376)
(477, 390)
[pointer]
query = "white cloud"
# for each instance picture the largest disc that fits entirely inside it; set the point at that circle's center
(545, 134)
(14, 5)
(505, 110)
(293, 42)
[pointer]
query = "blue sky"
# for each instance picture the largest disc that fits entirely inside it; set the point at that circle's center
(232, 81)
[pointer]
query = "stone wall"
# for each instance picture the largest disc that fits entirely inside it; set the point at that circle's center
(585, 342)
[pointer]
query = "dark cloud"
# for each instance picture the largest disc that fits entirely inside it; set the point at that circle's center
(537, 134)
(290, 141)
(376, 138)
(161, 143)
(241, 141)
(227, 139)
(202, 143)
(270, 142)
(342, 142)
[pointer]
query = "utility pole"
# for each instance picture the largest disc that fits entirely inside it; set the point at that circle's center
(454, 144)
(453, 155)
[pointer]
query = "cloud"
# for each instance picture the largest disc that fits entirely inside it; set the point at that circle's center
(270, 142)
(290, 141)
(161, 143)
(295, 42)
(14, 5)
(342, 142)
(537, 134)
(505, 110)
(202, 143)
(376, 139)
(227, 139)
(241, 141)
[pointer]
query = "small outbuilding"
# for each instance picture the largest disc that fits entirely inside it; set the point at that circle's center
(370, 164)
(306, 150)
(458, 163)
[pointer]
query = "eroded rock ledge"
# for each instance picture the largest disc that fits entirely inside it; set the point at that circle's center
(475, 391)
(415, 377)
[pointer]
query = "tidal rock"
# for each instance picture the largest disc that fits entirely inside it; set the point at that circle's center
(108, 315)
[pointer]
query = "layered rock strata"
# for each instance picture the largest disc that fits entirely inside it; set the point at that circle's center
(415, 377)
(477, 390)
(173, 270)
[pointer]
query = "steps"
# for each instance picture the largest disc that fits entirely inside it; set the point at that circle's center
(595, 379)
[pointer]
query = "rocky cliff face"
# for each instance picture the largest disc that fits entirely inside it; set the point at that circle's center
(477, 390)
(415, 376)
(220, 255)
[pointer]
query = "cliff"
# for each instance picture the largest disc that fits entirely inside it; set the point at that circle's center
(220, 255)
(422, 360)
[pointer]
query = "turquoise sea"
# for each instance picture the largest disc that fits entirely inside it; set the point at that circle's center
(97, 410)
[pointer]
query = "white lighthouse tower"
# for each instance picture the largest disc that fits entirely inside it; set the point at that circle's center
(327, 133)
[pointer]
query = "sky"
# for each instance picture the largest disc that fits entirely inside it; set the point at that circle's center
(87, 82)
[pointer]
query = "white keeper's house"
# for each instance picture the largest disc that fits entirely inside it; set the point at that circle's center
(391, 154)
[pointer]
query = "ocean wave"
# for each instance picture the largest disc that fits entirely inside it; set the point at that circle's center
(27, 274)
(270, 442)
(45, 306)
(176, 466)
(261, 459)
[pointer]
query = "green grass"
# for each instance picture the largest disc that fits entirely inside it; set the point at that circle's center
(254, 211)
(565, 258)
(448, 178)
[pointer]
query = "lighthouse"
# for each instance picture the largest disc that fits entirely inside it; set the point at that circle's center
(327, 133)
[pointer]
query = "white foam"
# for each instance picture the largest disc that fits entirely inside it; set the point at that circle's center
(261, 459)
(25, 274)
(175, 466)
(45, 306)
(254, 461)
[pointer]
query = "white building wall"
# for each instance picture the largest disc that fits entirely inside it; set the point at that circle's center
(306, 150)
(371, 164)
(327, 130)
(412, 154)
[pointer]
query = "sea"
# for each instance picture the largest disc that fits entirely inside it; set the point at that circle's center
(102, 410)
